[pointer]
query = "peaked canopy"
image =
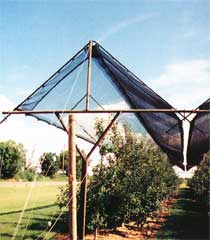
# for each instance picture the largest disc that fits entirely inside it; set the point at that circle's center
(111, 84)
(199, 138)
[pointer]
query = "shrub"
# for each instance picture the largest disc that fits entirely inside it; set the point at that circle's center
(130, 188)
(49, 164)
(28, 175)
(199, 183)
(12, 158)
(63, 159)
(130, 185)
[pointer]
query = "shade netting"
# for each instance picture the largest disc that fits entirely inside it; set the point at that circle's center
(113, 86)
(199, 137)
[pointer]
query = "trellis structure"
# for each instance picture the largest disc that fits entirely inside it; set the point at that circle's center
(158, 117)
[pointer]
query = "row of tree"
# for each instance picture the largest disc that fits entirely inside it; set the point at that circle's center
(132, 178)
(200, 182)
(13, 162)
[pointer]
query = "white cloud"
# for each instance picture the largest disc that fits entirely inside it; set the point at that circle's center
(123, 24)
(5, 103)
(38, 137)
(87, 121)
(23, 92)
(35, 136)
(184, 84)
(117, 105)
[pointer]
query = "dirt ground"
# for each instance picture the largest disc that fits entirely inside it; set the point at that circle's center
(130, 231)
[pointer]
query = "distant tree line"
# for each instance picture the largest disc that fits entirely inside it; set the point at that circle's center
(13, 162)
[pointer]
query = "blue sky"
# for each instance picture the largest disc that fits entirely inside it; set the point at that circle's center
(165, 43)
(37, 37)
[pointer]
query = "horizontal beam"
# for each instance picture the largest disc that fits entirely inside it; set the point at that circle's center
(106, 111)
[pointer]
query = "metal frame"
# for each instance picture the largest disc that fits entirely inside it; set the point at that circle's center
(89, 75)
(83, 193)
(71, 131)
(136, 110)
(71, 59)
(84, 176)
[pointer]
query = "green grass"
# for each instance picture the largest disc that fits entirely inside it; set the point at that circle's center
(40, 178)
(41, 206)
(57, 177)
(187, 220)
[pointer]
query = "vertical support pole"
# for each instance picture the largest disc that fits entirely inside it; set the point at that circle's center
(89, 75)
(72, 179)
(83, 193)
(84, 196)
(63, 164)
(63, 159)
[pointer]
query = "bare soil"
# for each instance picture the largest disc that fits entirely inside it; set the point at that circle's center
(131, 231)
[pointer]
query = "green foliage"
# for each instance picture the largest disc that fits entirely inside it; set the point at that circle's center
(62, 197)
(12, 157)
(49, 164)
(199, 183)
(63, 162)
(186, 220)
(28, 175)
(129, 183)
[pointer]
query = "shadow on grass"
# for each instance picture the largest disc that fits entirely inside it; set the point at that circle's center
(38, 224)
(29, 209)
(5, 235)
(187, 220)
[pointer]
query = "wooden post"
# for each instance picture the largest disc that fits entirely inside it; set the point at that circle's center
(83, 192)
(72, 179)
(96, 234)
(89, 76)
(63, 159)
(83, 199)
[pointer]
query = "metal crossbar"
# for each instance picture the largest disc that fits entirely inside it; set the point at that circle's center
(28, 112)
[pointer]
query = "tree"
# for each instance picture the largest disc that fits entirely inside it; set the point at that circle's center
(130, 183)
(64, 159)
(12, 157)
(199, 183)
(49, 164)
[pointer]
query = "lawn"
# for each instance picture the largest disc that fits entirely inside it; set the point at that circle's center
(186, 220)
(40, 208)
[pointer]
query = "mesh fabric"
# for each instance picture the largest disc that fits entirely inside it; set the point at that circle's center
(112, 86)
(199, 137)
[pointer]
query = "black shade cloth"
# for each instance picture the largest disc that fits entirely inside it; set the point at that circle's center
(199, 137)
(164, 128)
(66, 89)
